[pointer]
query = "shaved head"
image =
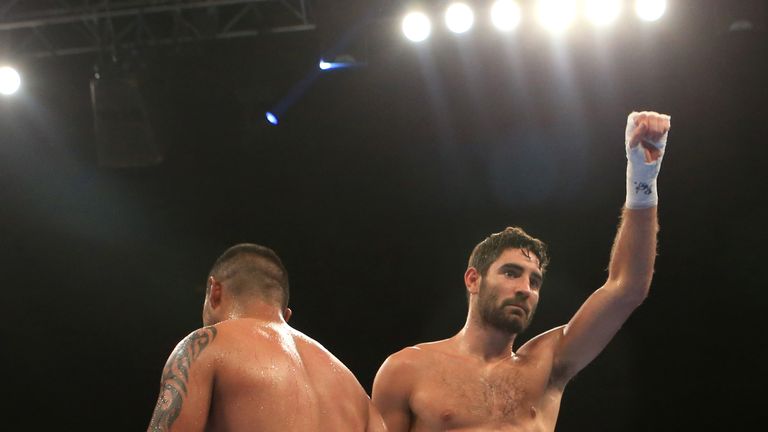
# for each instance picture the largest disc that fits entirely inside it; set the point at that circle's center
(252, 270)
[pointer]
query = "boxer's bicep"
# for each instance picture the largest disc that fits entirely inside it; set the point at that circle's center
(391, 391)
(375, 421)
(186, 385)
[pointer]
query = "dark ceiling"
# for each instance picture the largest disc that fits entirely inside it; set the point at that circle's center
(374, 189)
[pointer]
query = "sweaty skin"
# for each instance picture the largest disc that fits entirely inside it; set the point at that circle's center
(451, 391)
(250, 374)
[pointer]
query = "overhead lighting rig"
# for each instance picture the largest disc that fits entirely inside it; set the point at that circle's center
(44, 28)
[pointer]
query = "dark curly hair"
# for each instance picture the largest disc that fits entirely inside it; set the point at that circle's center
(489, 250)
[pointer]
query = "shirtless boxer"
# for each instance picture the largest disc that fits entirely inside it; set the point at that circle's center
(476, 381)
(248, 370)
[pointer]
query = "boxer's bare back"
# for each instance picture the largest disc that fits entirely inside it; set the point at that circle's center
(251, 374)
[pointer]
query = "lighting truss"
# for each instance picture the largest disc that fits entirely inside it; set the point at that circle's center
(45, 28)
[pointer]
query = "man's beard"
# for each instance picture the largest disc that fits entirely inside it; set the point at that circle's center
(494, 314)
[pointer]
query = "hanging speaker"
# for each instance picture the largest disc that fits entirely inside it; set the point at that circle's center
(123, 131)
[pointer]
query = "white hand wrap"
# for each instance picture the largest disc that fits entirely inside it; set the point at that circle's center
(641, 176)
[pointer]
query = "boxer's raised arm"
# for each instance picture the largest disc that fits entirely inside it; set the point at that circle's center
(633, 255)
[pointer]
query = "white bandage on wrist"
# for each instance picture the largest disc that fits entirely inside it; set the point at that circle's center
(641, 176)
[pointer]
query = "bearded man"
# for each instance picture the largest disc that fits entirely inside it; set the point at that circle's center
(476, 381)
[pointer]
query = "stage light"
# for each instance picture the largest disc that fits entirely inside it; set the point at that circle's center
(342, 61)
(650, 10)
(556, 15)
(416, 26)
(459, 18)
(10, 81)
(272, 119)
(602, 12)
(505, 14)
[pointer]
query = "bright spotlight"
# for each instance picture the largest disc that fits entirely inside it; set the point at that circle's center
(459, 17)
(324, 65)
(602, 12)
(650, 10)
(10, 81)
(272, 119)
(556, 15)
(505, 14)
(417, 26)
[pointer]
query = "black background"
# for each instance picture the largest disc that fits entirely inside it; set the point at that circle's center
(374, 189)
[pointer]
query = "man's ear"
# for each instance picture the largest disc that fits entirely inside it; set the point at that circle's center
(287, 312)
(472, 280)
(214, 292)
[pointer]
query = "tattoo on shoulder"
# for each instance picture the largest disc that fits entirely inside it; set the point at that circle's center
(173, 385)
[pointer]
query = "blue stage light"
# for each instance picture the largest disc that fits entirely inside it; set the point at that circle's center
(340, 62)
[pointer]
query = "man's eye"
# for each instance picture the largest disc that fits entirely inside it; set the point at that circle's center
(510, 274)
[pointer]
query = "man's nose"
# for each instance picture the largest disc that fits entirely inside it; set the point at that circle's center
(523, 290)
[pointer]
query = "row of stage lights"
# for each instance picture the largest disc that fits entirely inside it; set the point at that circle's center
(506, 15)
(459, 17)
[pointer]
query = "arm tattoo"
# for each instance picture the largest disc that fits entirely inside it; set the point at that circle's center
(173, 385)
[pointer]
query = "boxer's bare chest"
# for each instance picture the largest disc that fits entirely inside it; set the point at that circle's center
(456, 393)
